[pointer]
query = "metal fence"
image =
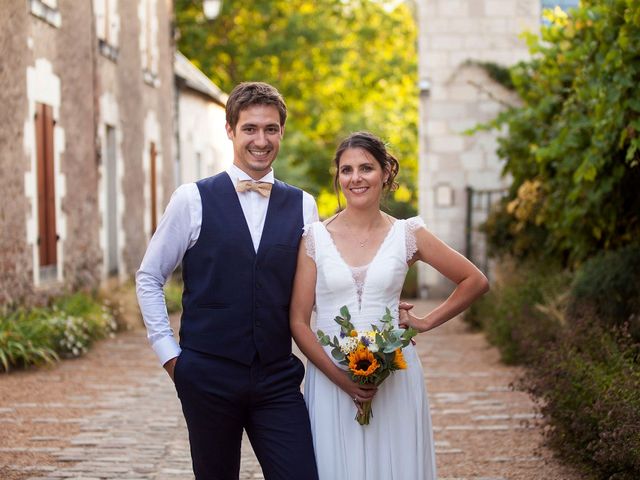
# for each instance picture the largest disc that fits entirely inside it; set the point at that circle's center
(479, 204)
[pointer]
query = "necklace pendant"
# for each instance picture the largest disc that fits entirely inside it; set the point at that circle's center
(362, 244)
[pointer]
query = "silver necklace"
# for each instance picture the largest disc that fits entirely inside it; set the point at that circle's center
(361, 243)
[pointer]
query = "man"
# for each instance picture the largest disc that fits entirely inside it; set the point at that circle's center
(236, 235)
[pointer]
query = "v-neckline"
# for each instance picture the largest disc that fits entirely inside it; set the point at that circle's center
(360, 286)
(375, 255)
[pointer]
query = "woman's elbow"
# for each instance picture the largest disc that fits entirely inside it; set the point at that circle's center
(293, 327)
(483, 284)
(296, 329)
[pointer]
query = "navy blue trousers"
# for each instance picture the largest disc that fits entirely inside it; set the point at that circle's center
(221, 398)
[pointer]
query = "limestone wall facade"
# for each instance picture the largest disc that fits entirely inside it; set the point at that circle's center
(457, 94)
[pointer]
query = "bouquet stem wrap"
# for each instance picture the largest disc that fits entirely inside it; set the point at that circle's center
(364, 415)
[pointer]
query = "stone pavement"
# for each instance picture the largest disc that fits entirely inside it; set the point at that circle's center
(114, 415)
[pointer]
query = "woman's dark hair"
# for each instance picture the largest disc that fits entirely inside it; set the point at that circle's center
(377, 149)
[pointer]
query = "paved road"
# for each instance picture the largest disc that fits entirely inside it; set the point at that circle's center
(114, 415)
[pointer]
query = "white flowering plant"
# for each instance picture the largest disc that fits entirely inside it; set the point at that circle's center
(44, 334)
(78, 325)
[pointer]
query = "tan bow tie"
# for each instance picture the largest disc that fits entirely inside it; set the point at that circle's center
(263, 188)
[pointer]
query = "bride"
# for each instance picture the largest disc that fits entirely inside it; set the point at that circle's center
(359, 258)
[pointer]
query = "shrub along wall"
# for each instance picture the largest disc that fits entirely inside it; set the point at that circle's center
(572, 149)
(580, 337)
(65, 328)
(68, 325)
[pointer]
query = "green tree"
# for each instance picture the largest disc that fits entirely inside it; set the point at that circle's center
(341, 65)
(573, 147)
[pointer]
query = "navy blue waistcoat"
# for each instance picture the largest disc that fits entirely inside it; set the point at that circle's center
(236, 301)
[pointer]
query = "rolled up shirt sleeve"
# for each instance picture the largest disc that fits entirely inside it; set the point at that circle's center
(177, 231)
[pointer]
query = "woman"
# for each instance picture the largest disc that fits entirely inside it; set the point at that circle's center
(359, 258)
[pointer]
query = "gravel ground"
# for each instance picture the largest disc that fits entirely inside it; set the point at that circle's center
(114, 414)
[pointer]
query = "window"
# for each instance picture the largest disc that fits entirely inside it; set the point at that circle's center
(444, 195)
(47, 10)
(47, 234)
(148, 14)
(107, 27)
(111, 201)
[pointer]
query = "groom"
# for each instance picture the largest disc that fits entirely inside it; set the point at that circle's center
(236, 235)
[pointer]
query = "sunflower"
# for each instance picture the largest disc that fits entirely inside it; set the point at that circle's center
(398, 360)
(362, 362)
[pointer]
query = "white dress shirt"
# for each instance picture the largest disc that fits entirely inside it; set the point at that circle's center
(178, 230)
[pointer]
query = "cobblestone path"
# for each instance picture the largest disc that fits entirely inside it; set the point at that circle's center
(114, 415)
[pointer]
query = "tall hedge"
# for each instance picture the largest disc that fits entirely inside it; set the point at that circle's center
(579, 337)
(573, 151)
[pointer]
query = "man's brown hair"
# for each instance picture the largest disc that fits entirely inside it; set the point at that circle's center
(246, 94)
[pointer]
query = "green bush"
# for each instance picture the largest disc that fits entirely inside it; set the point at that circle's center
(25, 339)
(572, 149)
(588, 384)
(506, 239)
(572, 145)
(477, 311)
(122, 303)
(41, 335)
(576, 335)
(608, 286)
(513, 316)
(79, 320)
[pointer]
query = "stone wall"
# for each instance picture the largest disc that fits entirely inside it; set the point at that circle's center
(139, 100)
(456, 94)
(53, 57)
(15, 258)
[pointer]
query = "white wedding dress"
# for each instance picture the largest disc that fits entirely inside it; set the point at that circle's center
(398, 443)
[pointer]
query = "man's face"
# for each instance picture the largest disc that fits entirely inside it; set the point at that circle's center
(256, 139)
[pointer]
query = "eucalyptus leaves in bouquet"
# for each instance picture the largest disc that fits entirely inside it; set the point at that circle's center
(369, 356)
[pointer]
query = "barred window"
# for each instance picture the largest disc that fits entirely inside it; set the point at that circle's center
(107, 27)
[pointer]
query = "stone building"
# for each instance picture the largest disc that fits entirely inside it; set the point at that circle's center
(204, 148)
(457, 40)
(86, 139)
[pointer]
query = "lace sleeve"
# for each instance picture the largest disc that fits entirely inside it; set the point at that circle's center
(412, 224)
(309, 241)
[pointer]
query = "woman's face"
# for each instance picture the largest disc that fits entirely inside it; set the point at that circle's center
(361, 177)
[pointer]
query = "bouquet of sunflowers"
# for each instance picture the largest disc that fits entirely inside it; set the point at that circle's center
(370, 356)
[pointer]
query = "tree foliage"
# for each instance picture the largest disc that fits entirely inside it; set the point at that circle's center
(572, 148)
(341, 65)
